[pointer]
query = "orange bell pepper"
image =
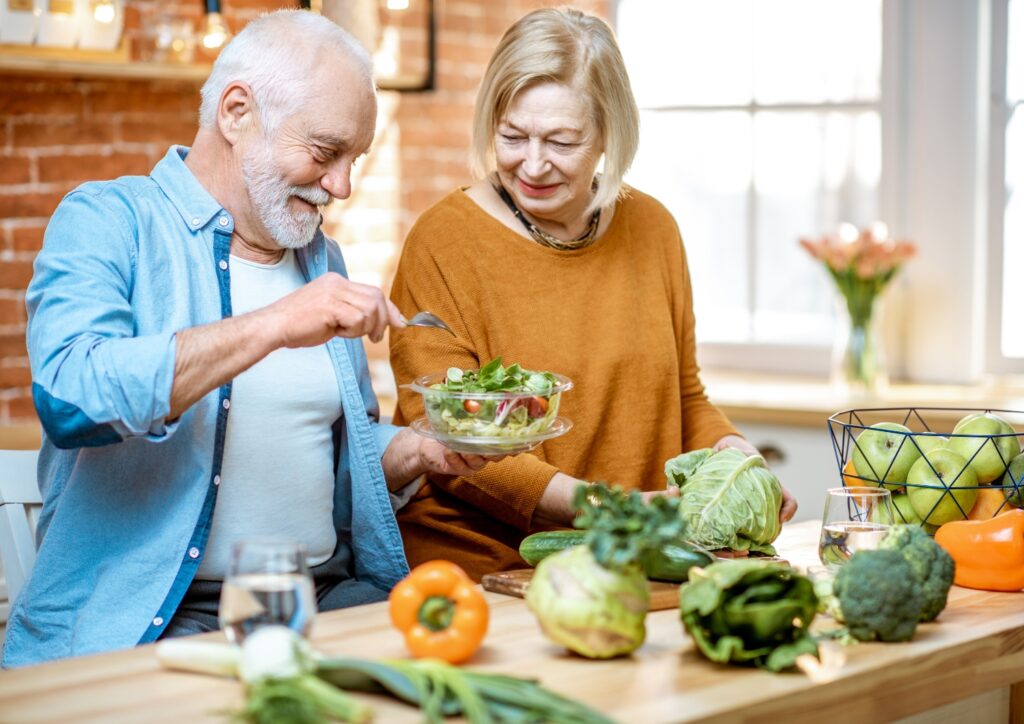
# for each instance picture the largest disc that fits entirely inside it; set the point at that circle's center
(989, 554)
(440, 611)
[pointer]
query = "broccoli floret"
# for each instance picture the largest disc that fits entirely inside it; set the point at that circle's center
(879, 595)
(933, 566)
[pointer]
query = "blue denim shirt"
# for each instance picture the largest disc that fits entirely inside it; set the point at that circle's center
(128, 496)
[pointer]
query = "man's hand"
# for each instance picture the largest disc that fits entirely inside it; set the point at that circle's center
(331, 306)
(789, 504)
(410, 455)
(327, 307)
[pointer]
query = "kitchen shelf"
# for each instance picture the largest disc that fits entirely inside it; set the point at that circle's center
(114, 65)
(117, 65)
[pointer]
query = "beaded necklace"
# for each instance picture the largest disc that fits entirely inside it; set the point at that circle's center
(544, 238)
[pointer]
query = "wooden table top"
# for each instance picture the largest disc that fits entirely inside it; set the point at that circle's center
(977, 645)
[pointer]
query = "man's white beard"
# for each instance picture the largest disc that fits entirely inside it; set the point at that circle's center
(269, 194)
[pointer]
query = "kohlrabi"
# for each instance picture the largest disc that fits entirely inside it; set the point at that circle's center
(593, 598)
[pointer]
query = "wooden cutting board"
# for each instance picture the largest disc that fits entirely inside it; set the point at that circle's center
(514, 583)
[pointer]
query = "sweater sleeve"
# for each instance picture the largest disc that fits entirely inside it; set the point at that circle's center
(508, 490)
(703, 423)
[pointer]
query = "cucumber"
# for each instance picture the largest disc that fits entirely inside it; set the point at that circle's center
(538, 546)
(673, 562)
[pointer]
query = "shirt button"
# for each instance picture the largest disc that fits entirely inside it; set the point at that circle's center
(223, 221)
(158, 621)
(227, 404)
(216, 480)
(193, 552)
(223, 265)
(195, 222)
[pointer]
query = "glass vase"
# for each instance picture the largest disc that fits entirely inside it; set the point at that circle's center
(858, 354)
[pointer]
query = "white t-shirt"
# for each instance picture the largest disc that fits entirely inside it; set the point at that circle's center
(277, 477)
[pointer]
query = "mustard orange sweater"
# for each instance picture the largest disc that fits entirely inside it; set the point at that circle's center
(616, 318)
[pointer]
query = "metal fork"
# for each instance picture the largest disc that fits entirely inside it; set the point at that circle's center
(426, 319)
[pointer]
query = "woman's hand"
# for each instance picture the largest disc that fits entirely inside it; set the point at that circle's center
(737, 442)
(789, 504)
(555, 506)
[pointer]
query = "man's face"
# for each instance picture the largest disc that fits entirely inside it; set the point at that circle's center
(308, 162)
(290, 224)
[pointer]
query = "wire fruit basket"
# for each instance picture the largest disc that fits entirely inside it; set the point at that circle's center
(940, 463)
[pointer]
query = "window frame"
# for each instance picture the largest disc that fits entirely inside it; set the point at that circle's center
(805, 359)
(941, 185)
(999, 113)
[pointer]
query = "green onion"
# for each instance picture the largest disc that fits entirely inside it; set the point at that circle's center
(441, 689)
(303, 699)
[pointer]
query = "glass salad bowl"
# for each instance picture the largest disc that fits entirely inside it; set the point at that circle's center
(492, 411)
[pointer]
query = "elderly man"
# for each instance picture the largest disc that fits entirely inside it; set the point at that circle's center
(198, 368)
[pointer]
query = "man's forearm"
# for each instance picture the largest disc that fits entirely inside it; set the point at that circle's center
(208, 356)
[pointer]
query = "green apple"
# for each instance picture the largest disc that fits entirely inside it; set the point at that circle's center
(987, 442)
(903, 512)
(1013, 482)
(942, 487)
(883, 453)
(928, 441)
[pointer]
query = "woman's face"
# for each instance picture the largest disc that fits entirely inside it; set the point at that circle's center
(547, 149)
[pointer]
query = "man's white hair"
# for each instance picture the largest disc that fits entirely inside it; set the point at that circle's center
(276, 55)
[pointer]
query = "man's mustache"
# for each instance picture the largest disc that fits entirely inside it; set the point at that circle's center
(312, 194)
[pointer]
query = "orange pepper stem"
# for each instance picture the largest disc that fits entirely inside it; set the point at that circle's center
(437, 612)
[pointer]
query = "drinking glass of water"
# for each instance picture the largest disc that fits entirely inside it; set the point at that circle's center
(267, 583)
(856, 519)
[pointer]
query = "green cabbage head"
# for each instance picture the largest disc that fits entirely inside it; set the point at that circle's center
(728, 499)
(589, 609)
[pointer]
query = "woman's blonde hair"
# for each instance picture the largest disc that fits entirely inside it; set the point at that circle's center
(562, 45)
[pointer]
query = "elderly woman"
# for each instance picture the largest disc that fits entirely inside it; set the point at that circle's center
(546, 263)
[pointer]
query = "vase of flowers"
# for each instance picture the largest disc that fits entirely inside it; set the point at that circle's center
(861, 263)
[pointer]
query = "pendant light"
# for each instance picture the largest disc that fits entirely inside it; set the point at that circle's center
(103, 11)
(215, 31)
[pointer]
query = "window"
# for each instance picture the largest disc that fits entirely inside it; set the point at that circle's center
(761, 123)
(1011, 98)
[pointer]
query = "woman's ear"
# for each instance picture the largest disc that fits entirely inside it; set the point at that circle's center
(236, 112)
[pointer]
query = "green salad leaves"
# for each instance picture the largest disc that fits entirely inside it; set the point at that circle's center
(494, 377)
(494, 401)
(749, 612)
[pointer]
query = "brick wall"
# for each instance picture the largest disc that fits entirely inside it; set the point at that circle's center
(57, 132)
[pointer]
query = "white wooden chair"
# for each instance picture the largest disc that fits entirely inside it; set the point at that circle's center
(20, 504)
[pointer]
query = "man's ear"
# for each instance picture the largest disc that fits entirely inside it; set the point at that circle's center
(236, 112)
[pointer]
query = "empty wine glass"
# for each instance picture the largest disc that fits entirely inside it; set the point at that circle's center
(856, 518)
(267, 583)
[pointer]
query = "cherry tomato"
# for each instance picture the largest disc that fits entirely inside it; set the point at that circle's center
(537, 406)
(471, 406)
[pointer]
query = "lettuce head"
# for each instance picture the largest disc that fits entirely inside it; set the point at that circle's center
(728, 499)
